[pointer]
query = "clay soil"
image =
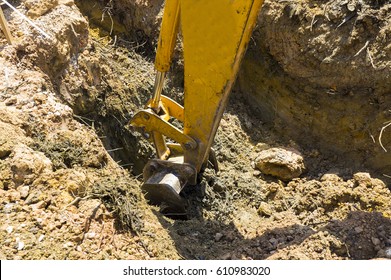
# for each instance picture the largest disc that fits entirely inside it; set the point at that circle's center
(70, 164)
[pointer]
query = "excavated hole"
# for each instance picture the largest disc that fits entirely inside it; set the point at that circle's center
(239, 213)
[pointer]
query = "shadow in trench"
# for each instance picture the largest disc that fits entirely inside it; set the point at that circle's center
(361, 235)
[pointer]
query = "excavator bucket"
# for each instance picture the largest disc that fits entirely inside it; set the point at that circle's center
(215, 36)
(165, 180)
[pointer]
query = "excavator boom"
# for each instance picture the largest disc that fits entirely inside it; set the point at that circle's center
(4, 27)
(215, 36)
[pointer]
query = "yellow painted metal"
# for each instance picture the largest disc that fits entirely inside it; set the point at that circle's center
(166, 45)
(215, 37)
(4, 27)
(172, 108)
(154, 123)
(168, 35)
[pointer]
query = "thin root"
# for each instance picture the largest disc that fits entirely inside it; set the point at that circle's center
(381, 134)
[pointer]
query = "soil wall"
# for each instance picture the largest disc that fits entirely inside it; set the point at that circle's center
(319, 72)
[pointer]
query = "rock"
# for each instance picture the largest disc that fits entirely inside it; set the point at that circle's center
(226, 256)
(68, 244)
(41, 237)
(9, 229)
(8, 208)
(274, 242)
(37, 8)
(387, 252)
(33, 198)
(362, 179)
(20, 245)
(265, 210)
(10, 136)
(27, 164)
(218, 236)
(358, 229)
(375, 241)
(90, 235)
(76, 182)
(331, 177)
(284, 164)
(24, 191)
(66, 2)
(39, 205)
(11, 101)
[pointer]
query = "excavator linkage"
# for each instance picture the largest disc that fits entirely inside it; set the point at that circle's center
(215, 35)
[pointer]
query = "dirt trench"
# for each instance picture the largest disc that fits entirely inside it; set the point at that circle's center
(70, 163)
(319, 71)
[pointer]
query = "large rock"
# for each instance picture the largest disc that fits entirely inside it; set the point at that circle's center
(281, 163)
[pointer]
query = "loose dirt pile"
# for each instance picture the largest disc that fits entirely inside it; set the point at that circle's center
(65, 104)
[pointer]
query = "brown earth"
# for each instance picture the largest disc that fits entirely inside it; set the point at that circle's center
(70, 164)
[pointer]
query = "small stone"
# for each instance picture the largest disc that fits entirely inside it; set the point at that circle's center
(226, 256)
(381, 253)
(11, 101)
(362, 178)
(90, 235)
(32, 198)
(66, 2)
(39, 205)
(67, 245)
(274, 242)
(34, 230)
(351, 6)
(9, 229)
(218, 186)
(8, 208)
(41, 237)
(358, 229)
(387, 252)
(265, 210)
(37, 8)
(20, 245)
(218, 236)
(27, 164)
(375, 241)
(331, 177)
(24, 191)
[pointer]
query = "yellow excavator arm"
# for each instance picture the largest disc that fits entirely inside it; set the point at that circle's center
(4, 27)
(215, 36)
